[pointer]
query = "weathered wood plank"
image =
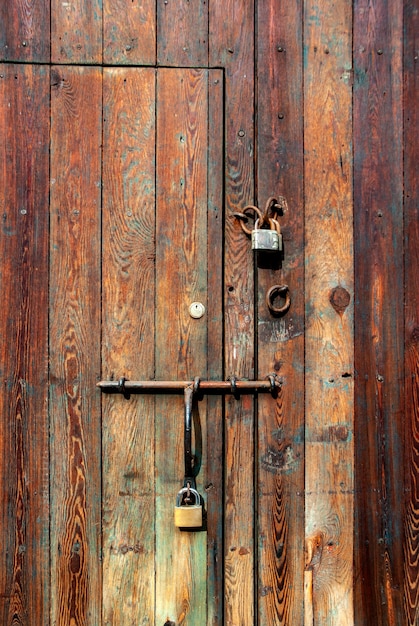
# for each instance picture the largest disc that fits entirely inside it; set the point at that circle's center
(411, 296)
(25, 31)
(281, 340)
(128, 344)
(76, 31)
(129, 32)
(183, 33)
(378, 189)
(215, 425)
(231, 46)
(76, 104)
(24, 505)
(329, 310)
(181, 342)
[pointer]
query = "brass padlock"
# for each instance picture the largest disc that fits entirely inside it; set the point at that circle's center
(267, 239)
(188, 514)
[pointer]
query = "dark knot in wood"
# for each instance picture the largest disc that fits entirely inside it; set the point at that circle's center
(339, 299)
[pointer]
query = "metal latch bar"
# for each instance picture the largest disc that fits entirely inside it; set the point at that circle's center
(233, 385)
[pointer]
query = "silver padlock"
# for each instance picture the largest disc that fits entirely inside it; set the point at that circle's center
(188, 515)
(267, 239)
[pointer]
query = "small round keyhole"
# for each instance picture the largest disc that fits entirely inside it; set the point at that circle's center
(196, 310)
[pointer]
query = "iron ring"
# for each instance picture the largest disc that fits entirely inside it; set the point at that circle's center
(281, 291)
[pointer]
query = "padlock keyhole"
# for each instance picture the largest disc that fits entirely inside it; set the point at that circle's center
(189, 500)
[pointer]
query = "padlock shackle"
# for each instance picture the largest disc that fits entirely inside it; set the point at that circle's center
(187, 490)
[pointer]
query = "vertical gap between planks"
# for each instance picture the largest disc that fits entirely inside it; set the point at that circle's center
(308, 579)
(308, 575)
(101, 250)
(49, 403)
(215, 159)
(155, 316)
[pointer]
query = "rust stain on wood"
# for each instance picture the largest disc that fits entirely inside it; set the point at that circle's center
(281, 460)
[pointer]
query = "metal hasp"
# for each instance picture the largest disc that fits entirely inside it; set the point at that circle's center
(234, 386)
(188, 509)
(189, 393)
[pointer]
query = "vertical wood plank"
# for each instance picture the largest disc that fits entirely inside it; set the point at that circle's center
(76, 31)
(129, 32)
(281, 340)
(181, 342)
(329, 310)
(75, 291)
(411, 295)
(24, 505)
(182, 33)
(231, 26)
(25, 31)
(128, 345)
(215, 425)
(378, 187)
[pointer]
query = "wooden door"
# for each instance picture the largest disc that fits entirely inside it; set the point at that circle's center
(156, 251)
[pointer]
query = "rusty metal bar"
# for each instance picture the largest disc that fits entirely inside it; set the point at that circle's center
(234, 386)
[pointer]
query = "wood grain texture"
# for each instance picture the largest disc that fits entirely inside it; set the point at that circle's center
(24, 505)
(329, 363)
(25, 31)
(182, 33)
(411, 260)
(75, 289)
(76, 31)
(128, 344)
(378, 189)
(181, 342)
(281, 340)
(215, 423)
(231, 26)
(129, 32)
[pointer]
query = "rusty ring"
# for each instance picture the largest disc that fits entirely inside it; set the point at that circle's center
(269, 206)
(255, 209)
(283, 292)
(275, 205)
(243, 217)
